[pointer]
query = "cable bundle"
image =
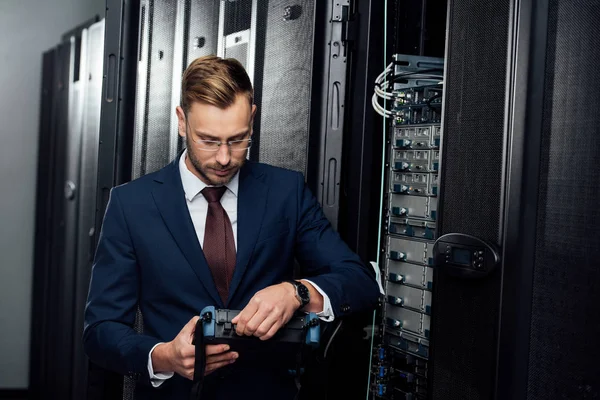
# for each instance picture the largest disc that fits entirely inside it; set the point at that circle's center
(382, 85)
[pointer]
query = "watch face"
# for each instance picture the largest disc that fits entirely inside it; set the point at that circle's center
(304, 293)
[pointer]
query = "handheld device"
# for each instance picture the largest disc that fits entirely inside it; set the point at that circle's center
(286, 349)
(217, 328)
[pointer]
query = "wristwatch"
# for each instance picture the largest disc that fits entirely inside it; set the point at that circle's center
(302, 293)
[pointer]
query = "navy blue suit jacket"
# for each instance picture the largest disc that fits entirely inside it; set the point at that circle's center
(149, 256)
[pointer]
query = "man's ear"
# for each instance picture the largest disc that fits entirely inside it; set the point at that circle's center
(252, 119)
(181, 124)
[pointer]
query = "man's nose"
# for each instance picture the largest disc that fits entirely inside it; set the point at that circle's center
(223, 154)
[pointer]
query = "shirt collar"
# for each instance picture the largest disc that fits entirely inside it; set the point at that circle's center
(192, 185)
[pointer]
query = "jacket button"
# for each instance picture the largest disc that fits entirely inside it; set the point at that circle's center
(345, 308)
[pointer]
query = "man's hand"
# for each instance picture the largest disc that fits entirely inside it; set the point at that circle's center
(179, 354)
(269, 310)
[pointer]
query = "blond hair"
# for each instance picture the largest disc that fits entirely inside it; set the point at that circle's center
(216, 81)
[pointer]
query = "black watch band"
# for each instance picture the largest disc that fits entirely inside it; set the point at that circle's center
(302, 292)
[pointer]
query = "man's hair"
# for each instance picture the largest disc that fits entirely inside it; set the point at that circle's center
(216, 81)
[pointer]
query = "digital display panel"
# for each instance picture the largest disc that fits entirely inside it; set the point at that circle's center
(461, 256)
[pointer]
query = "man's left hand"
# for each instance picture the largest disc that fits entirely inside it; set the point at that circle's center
(269, 310)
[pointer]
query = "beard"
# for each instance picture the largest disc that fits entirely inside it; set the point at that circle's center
(206, 170)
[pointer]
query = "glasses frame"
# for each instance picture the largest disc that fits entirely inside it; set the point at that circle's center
(229, 143)
(199, 142)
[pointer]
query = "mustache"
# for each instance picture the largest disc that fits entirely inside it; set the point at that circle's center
(228, 167)
(222, 168)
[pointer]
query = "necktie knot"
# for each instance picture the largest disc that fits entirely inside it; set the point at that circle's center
(213, 193)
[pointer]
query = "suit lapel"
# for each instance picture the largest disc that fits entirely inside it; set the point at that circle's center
(252, 201)
(170, 200)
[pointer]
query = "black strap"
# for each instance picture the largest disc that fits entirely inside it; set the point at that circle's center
(199, 362)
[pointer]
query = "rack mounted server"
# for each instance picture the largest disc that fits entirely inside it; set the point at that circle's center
(412, 166)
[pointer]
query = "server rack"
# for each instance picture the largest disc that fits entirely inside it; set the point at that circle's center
(514, 277)
(409, 218)
(45, 218)
(65, 211)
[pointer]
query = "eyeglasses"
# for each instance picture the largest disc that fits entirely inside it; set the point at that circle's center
(214, 145)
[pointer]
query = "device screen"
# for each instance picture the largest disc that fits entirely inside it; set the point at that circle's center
(461, 256)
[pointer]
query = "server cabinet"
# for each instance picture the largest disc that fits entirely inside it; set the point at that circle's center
(49, 174)
(472, 306)
(516, 156)
(557, 237)
(512, 274)
(65, 211)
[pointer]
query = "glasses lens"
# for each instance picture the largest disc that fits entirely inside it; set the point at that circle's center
(208, 145)
(240, 144)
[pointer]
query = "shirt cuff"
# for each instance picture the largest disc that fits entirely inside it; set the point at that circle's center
(159, 378)
(327, 313)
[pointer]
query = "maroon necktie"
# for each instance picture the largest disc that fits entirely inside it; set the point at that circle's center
(219, 244)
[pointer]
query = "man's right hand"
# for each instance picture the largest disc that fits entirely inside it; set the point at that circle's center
(178, 355)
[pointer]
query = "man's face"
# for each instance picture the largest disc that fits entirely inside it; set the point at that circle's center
(207, 122)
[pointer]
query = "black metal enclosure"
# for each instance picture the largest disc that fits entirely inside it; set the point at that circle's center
(520, 150)
(65, 213)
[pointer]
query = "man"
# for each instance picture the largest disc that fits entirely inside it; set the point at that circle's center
(214, 229)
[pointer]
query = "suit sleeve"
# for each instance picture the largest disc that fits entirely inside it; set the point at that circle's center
(109, 338)
(327, 260)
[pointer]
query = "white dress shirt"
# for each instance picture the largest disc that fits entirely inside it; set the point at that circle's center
(198, 208)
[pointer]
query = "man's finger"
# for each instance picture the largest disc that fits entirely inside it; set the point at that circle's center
(257, 319)
(265, 325)
(213, 367)
(243, 317)
(192, 323)
(272, 331)
(188, 350)
(212, 349)
(246, 313)
(230, 355)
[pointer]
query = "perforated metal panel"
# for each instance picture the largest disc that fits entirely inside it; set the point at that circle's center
(286, 88)
(465, 314)
(473, 155)
(565, 323)
(203, 28)
(154, 107)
